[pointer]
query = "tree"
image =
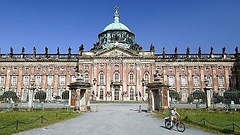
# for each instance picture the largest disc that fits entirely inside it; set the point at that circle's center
(199, 95)
(220, 99)
(232, 95)
(41, 95)
(1, 98)
(173, 95)
(190, 99)
(57, 97)
(65, 95)
(10, 95)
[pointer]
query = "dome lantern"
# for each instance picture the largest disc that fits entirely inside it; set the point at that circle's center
(116, 34)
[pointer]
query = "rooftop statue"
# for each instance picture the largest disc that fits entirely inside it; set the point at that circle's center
(152, 48)
(69, 50)
(199, 50)
(164, 50)
(223, 50)
(211, 51)
(188, 50)
(58, 52)
(46, 50)
(34, 50)
(23, 50)
(175, 50)
(80, 49)
(11, 50)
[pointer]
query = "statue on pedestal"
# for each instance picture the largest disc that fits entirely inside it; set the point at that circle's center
(157, 76)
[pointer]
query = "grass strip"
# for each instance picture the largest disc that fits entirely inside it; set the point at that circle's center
(212, 121)
(18, 121)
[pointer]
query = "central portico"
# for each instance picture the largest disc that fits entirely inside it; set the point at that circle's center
(117, 64)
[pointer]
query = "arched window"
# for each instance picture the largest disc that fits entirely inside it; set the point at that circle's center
(131, 78)
(101, 78)
(146, 78)
(116, 77)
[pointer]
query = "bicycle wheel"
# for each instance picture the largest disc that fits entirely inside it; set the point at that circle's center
(180, 127)
(168, 124)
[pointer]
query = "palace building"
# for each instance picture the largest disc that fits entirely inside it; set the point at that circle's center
(118, 68)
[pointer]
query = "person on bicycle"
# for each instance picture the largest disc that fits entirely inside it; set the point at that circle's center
(174, 114)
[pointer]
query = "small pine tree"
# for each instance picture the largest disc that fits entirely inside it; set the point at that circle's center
(41, 95)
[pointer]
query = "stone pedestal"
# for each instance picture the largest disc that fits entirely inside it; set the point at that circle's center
(79, 95)
(158, 96)
(208, 97)
(30, 98)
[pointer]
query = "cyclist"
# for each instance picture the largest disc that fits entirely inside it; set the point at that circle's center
(173, 114)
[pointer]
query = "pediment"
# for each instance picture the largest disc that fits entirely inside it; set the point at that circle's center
(116, 51)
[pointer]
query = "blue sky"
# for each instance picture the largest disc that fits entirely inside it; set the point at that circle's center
(164, 23)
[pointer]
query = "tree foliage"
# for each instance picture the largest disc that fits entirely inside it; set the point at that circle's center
(173, 95)
(41, 95)
(199, 95)
(10, 95)
(57, 97)
(65, 95)
(232, 95)
(190, 99)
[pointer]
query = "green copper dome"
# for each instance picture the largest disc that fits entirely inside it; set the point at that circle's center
(116, 25)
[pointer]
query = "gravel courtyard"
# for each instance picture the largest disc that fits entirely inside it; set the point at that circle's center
(112, 119)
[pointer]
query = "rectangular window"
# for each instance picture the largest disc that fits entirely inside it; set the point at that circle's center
(62, 80)
(2, 80)
(50, 80)
(171, 80)
(184, 80)
(14, 80)
(220, 81)
(38, 80)
(25, 80)
(195, 81)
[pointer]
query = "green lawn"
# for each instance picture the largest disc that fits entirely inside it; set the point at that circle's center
(216, 121)
(17, 121)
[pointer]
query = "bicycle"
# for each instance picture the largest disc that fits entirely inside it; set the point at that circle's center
(176, 122)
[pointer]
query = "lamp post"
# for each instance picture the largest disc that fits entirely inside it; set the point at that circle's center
(143, 85)
(31, 94)
(207, 92)
(93, 92)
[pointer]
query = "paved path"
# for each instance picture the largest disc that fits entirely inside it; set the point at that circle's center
(112, 119)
